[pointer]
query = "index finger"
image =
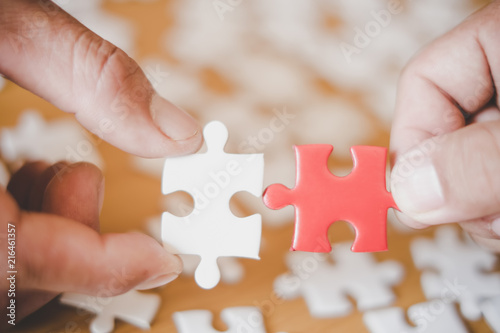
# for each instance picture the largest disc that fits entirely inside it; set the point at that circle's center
(45, 50)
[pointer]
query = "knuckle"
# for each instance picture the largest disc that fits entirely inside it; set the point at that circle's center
(110, 74)
(100, 59)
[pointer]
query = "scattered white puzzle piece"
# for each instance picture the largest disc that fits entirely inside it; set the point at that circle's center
(35, 139)
(427, 317)
(241, 319)
(491, 312)
(324, 286)
(211, 230)
(461, 266)
(133, 307)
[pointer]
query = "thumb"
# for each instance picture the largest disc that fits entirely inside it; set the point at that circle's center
(45, 50)
(451, 178)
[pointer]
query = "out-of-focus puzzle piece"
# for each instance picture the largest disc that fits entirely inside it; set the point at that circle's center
(490, 309)
(325, 286)
(231, 269)
(321, 198)
(462, 267)
(2, 83)
(211, 230)
(426, 317)
(36, 139)
(246, 319)
(133, 307)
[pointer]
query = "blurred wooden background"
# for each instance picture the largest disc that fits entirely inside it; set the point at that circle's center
(208, 76)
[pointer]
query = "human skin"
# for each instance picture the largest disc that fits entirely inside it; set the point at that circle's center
(55, 209)
(445, 138)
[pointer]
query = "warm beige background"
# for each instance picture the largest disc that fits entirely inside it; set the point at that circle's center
(131, 197)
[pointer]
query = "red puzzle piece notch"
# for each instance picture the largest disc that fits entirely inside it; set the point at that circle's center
(321, 198)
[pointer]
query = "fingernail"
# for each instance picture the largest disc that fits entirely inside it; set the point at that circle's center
(408, 221)
(418, 189)
(157, 281)
(171, 120)
(495, 226)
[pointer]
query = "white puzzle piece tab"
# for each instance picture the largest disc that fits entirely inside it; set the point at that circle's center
(211, 230)
(232, 271)
(133, 307)
(428, 318)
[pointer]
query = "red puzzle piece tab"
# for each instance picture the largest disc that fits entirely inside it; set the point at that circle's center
(321, 198)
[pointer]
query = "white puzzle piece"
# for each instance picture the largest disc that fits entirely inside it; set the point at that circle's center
(491, 312)
(325, 286)
(133, 307)
(462, 267)
(231, 270)
(211, 230)
(36, 139)
(427, 317)
(2, 83)
(246, 319)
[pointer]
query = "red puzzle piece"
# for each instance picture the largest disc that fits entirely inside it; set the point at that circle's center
(321, 198)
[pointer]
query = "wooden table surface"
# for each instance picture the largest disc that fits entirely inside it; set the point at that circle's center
(131, 197)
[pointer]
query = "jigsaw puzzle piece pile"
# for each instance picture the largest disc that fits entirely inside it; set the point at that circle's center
(461, 271)
(325, 286)
(423, 315)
